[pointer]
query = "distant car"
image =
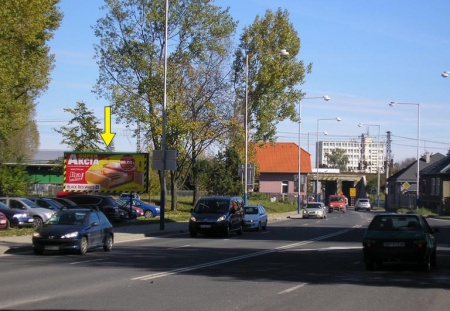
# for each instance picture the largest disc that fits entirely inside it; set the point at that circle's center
(39, 214)
(105, 203)
(74, 230)
(399, 238)
(362, 204)
(337, 203)
(150, 210)
(374, 204)
(314, 210)
(126, 196)
(136, 210)
(217, 215)
(3, 221)
(47, 203)
(255, 217)
(16, 218)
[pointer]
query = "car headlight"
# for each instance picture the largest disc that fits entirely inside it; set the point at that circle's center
(36, 235)
(157, 209)
(221, 218)
(193, 219)
(20, 215)
(48, 215)
(70, 235)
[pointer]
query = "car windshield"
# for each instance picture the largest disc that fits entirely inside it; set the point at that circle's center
(363, 201)
(313, 205)
(336, 199)
(68, 218)
(395, 223)
(30, 203)
(212, 207)
(251, 210)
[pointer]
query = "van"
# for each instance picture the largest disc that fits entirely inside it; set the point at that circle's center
(217, 215)
(337, 203)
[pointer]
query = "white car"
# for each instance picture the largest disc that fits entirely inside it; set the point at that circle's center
(315, 210)
(363, 204)
(255, 217)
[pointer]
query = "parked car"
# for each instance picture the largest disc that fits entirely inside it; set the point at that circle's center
(399, 238)
(39, 214)
(3, 221)
(314, 210)
(374, 204)
(16, 218)
(150, 211)
(105, 203)
(217, 215)
(255, 217)
(362, 204)
(74, 230)
(126, 196)
(47, 203)
(66, 202)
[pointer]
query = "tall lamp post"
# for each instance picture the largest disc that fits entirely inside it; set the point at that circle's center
(392, 104)
(317, 154)
(378, 161)
(283, 52)
(299, 201)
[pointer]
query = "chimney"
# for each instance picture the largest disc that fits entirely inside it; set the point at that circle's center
(427, 157)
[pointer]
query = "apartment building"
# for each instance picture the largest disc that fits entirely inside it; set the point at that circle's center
(362, 154)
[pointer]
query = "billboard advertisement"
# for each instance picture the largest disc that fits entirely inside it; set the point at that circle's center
(105, 172)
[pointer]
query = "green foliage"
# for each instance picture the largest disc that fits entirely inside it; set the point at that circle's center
(223, 178)
(25, 65)
(337, 159)
(14, 180)
(82, 133)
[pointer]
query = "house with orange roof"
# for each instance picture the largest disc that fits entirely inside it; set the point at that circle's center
(278, 168)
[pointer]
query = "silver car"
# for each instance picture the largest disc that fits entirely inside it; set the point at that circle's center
(362, 203)
(39, 214)
(255, 217)
(314, 210)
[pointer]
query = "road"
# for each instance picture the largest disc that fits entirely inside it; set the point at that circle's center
(297, 264)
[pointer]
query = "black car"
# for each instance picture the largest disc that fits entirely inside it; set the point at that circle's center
(66, 202)
(16, 218)
(74, 230)
(47, 203)
(105, 203)
(399, 238)
(218, 215)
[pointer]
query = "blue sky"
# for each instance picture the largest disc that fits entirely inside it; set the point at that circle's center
(365, 54)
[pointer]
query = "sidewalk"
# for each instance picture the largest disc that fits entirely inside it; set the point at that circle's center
(17, 244)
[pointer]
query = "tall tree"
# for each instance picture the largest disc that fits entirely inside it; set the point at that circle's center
(337, 159)
(82, 132)
(224, 179)
(25, 65)
(131, 58)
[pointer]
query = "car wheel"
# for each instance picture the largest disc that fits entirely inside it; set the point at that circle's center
(259, 227)
(227, 231)
(149, 214)
(193, 234)
(426, 264)
(83, 246)
(8, 224)
(37, 251)
(107, 246)
(38, 222)
(265, 226)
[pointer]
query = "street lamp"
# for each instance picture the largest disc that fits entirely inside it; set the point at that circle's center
(378, 161)
(283, 52)
(326, 98)
(317, 154)
(392, 104)
(445, 74)
(324, 133)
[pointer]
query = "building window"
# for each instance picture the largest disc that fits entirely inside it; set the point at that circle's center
(284, 187)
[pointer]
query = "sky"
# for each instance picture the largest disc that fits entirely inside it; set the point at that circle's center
(364, 55)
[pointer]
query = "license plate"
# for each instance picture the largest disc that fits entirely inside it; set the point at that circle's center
(2, 221)
(394, 244)
(51, 248)
(205, 226)
(31, 220)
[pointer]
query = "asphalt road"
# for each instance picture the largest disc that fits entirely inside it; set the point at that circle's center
(297, 264)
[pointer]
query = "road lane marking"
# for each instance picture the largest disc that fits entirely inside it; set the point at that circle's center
(236, 258)
(292, 289)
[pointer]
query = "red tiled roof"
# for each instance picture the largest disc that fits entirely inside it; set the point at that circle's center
(281, 158)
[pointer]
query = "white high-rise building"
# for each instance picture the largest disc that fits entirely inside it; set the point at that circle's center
(362, 154)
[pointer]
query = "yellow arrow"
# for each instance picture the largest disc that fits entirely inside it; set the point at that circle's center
(107, 135)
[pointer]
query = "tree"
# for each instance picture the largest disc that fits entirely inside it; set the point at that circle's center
(14, 180)
(224, 179)
(82, 132)
(337, 159)
(131, 60)
(25, 65)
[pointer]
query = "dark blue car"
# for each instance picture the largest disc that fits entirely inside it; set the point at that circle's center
(74, 230)
(16, 218)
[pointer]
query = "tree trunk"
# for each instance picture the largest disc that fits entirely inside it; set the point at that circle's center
(173, 188)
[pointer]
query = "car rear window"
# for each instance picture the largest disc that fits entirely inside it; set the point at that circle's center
(251, 210)
(395, 223)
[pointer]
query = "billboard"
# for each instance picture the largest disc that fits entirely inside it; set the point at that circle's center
(105, 172)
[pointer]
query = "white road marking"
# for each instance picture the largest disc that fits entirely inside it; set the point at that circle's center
(292, 289)
(226, 260)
